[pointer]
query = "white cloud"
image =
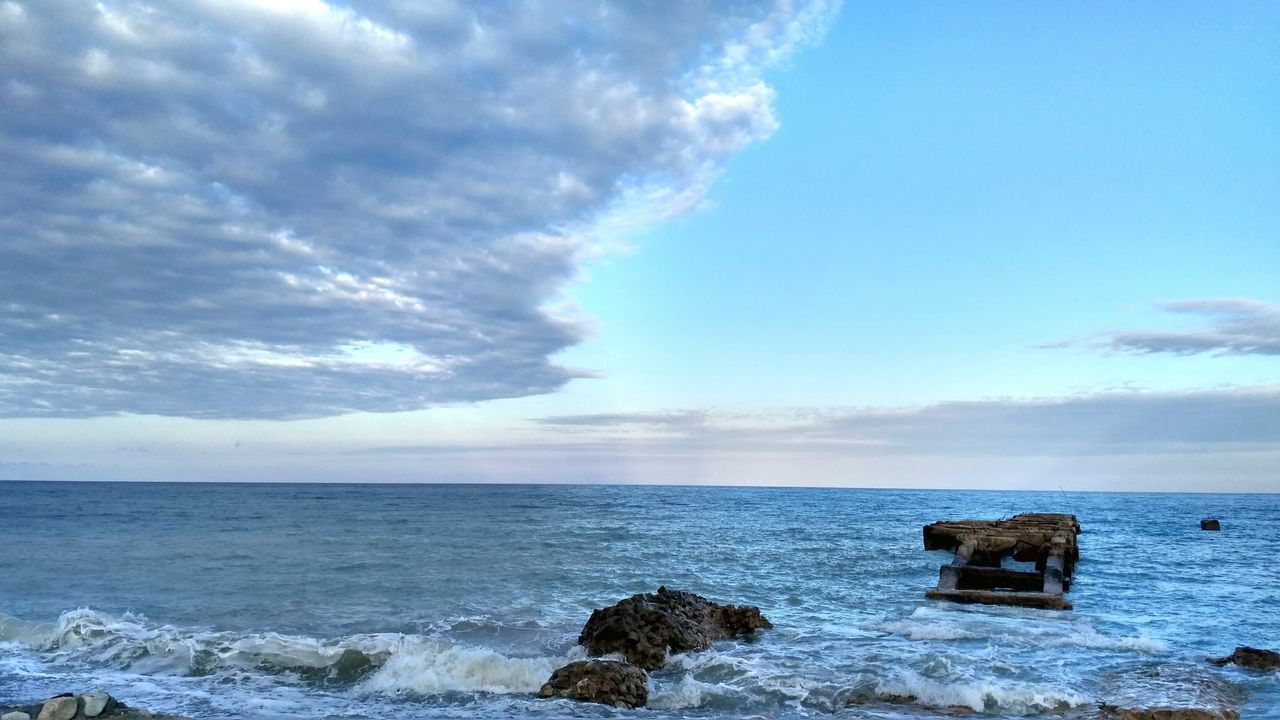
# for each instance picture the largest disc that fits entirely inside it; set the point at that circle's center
(184, 182)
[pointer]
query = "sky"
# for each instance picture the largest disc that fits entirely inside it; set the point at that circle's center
(780, 242)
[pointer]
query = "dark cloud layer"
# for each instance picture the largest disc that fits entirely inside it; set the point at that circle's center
(1109, 423)
(1236, 326)
(229, 208)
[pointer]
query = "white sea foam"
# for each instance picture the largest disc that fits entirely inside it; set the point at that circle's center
(393, 661)
(1087, 636)
(127, 641)
(429, 666)
(688, 693)
(915, 630)
(979, 695)
(928, 624)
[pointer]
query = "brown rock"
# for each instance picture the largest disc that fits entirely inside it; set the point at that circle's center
(644, 627)
(1210, 524)
(1252, 658)
(603, 681)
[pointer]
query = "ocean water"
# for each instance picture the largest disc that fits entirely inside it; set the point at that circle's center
(451, 601)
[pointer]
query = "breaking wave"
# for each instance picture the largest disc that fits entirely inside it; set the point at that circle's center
(1006, 697)
(384, 662)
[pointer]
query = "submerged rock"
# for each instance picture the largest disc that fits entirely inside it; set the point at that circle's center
(1171, 691)
(603, 681)
(644, 627)
(1252, 658)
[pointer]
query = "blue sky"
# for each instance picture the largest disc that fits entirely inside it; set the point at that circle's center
(926, 244)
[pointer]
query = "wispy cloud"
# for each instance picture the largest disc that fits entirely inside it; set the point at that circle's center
(242, 209)
(1098, 424)
(1232, 326)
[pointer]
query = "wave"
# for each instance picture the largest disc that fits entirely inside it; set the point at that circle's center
(689, 693)
(380, 662)
(1004, 696)
(431, 666)
(929, 624)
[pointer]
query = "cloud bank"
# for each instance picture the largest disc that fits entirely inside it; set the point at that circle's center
(290, 208)
(1236, 326)
(1237, 420)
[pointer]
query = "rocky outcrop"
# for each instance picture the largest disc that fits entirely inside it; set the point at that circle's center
(603, 681)
(69, 706)
(644, 628)
(1252, 658)
(1210, 524)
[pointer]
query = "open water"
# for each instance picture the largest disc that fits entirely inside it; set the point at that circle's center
(449, 601)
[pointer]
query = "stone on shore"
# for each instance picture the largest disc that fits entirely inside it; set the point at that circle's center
(63, 707)
(644, 627)
(1252, 658)
(96, 704)
(603, 681)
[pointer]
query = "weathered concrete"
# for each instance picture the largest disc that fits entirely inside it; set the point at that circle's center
(975, 574)
(1043, 601)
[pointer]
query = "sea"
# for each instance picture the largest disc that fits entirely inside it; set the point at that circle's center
(266, 601)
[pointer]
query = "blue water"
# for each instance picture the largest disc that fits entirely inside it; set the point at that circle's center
(238, 601)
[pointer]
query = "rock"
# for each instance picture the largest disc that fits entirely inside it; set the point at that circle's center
(1210, 524)
(1168, 691)
(1252, 658)
(95, 703)
(603, 681)
(63, 707)
(644, 627)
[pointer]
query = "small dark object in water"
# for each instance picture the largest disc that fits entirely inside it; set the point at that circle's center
(1252, 658)
(976, 574)
(1210, 524)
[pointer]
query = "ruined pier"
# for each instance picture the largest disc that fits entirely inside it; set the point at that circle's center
(978, 573)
